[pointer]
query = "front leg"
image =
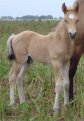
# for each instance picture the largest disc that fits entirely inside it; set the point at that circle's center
(58, 86)
(65, 74)
(58, 89)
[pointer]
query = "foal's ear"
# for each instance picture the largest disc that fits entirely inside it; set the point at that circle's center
(76, 7)
(64, 8)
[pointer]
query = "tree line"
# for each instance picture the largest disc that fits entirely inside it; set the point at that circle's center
(28, 17)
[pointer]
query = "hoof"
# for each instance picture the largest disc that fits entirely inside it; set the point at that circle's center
(66, 103)
(12, 105)
(56, 109)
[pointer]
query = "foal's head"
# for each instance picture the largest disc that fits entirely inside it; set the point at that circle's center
(71, 19)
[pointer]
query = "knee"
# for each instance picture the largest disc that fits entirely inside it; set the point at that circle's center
(66, 86)
(58, 88)
(12, 79)
(18, 78)
(19, 82)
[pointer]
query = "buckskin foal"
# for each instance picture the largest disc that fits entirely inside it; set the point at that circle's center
(56, 49)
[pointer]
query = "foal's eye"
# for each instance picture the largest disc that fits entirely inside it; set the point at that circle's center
(77, 20)
(65, 20)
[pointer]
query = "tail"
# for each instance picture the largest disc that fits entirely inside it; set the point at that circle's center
(11, 55)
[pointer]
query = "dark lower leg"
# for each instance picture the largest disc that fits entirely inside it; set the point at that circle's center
(73, 67)
(71, 90)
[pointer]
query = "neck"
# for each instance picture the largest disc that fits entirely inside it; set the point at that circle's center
(61, 30)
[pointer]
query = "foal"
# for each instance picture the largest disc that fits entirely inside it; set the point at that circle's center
(55, 48)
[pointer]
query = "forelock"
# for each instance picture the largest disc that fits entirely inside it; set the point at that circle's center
(70, 8)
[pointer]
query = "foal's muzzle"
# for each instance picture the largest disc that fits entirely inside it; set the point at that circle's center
(72, 35)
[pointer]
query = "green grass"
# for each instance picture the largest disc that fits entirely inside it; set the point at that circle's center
(38, 83)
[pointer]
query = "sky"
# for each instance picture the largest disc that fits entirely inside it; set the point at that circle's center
(20, 8)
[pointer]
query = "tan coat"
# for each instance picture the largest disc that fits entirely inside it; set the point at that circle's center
(56, 48)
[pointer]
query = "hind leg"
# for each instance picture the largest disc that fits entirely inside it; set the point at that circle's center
(19, 82)
(20, 77)
(12, 80)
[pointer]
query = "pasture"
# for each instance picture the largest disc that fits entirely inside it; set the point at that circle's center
(38, 82)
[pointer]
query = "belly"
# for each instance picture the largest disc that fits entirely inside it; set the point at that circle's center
(40, 54)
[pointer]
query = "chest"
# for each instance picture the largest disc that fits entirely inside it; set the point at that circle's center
(62, 52)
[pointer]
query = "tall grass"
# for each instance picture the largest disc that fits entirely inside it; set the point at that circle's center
(38, 83)
(8, 27)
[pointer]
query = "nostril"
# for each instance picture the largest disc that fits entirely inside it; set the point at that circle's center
(75, 34)
(72, 35)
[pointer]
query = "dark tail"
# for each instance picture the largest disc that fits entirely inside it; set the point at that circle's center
(11, 55)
